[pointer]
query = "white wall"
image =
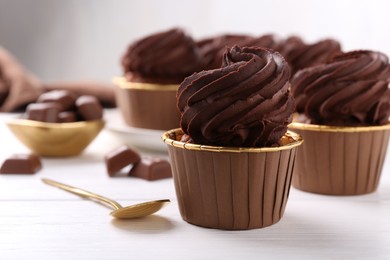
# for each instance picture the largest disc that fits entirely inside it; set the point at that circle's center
(84, 39)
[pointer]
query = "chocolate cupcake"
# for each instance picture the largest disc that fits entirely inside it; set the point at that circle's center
(347, 104)
(153, 69)
(301, 55)
(232, 159)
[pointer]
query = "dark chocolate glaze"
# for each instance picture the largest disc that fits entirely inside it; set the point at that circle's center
(350, 90)
(245, 103)
(163, 58)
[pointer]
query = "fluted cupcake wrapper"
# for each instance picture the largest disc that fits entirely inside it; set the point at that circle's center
(340, 160)
(232, 190)
(143, 105)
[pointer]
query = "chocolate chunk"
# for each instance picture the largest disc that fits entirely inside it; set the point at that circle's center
(151, 168)
(64, 98)
(102, 91)
(119, 158)
(45, 112)
(89, 108)
(67, 117)
(21, 163)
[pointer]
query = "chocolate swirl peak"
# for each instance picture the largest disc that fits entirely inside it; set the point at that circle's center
(350, 90)
(245, 103)
(214, 48)
(167, 58)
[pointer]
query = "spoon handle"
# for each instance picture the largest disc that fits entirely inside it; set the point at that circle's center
(83, 193)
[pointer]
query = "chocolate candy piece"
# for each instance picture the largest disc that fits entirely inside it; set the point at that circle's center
(45, 112)
(67, 116)
(102, 91)
(89, 108)
(119, 158)
(64, 98)
(151, 168)
(21, 163)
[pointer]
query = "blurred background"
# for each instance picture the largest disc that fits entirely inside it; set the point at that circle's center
(85, 39)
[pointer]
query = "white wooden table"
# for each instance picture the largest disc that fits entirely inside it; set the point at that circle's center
(41, 222)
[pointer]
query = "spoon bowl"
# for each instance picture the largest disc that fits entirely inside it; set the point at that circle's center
(139, 210)
(134, 211)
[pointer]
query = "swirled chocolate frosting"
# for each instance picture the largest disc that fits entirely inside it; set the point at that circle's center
(212, 49)
(244, 103)
(350, 90)
(163, 58)
(300, 55)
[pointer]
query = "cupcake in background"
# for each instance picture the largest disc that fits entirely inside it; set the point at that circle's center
(297, 53)
(232, 159)
(346, 102)
(153, 69)
(300, 55)
(212, 49)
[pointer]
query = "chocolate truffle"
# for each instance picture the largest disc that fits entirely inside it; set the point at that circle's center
(21, 163)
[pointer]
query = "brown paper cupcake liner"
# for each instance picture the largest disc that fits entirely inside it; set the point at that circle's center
(146, 105)
(231, 188)
(340, 160)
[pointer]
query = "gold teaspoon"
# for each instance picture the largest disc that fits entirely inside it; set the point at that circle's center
(133, 211)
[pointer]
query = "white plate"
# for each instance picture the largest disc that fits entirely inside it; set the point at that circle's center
(140, 137)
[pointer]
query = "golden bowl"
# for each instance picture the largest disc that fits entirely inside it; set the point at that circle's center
(56, 139)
